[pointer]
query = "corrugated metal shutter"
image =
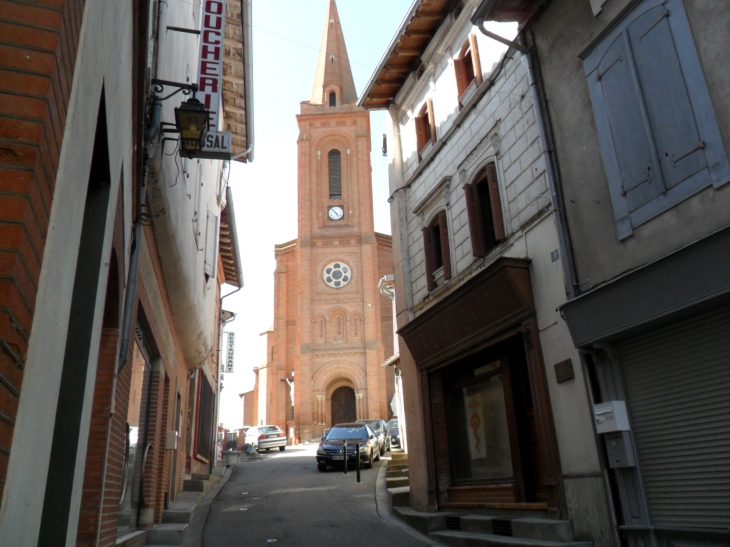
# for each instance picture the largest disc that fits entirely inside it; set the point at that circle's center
(678, 384)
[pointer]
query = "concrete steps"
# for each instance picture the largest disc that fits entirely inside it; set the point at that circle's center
(395, 482)
(465, 530)
(469, 539)
(167, 534)
(502, 528)
(177, 517)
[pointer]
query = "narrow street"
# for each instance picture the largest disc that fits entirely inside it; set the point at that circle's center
(283, 497)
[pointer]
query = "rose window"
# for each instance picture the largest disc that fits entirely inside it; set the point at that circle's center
(337, 275)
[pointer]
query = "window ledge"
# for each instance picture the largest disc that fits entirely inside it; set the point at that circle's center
(438, 276)
(423, 153)
(469, 92)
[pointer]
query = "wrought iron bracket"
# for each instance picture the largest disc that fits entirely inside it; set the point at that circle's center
(187, 89)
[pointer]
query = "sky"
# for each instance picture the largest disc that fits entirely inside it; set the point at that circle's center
(286, 38)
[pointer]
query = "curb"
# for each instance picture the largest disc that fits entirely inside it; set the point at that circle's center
(381, 506)
(194, 537)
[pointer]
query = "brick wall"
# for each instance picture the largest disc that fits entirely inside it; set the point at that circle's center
(37, 56)
(96, 452)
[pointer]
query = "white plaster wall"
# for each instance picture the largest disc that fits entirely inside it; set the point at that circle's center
(173, 195)
(507, 113)
(507, 110)
(106, 34)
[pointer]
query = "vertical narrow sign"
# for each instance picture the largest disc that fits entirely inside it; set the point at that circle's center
(210, 65)
(229, 351)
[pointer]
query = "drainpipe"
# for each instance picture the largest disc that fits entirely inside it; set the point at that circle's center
(531, 63)
(151, 133)
(400, 202)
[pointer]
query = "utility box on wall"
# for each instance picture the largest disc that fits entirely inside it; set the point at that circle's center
(612, 421)
(611, 416)
(619, 449)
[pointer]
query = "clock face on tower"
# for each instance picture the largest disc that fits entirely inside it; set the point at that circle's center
(336, 213)
(337, 274)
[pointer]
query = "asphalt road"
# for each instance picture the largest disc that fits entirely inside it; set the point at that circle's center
(282, 499)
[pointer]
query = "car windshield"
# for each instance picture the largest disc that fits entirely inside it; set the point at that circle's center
(268, 429)
(392, 424)
(340, 433)
(375, 424)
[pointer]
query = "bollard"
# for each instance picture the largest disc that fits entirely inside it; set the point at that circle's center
(357, 454)
(344, 446)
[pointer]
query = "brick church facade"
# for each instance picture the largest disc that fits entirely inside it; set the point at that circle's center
(332, 327)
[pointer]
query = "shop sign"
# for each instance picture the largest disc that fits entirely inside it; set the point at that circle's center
(229, 351)
(210, 64)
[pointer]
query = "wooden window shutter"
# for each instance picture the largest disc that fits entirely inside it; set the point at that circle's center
(476, 222)
(495, 201)
(460, 71)
(431, 122)
(210, 245)
(445, 253)
(476, 62)
(430, 260)
(421, 135)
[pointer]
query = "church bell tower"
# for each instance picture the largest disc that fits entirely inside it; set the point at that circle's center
(332, 327)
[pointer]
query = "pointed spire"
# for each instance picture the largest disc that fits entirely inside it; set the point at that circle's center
(333, 65)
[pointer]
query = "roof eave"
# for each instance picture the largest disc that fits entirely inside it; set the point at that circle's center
(388, 53)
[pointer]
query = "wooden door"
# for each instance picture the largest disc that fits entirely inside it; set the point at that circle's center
(343, 405)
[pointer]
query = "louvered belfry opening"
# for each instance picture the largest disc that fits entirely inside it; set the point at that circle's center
(334, 169)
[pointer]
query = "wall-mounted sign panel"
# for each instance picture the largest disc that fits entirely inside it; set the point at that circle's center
(210, 65)
(229, 351)
(216, 146)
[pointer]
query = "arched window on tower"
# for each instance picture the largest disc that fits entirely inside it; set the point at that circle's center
(334, 168)
(333, 99)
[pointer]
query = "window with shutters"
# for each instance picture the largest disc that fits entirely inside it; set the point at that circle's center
(658, 134)
(334, 170)
(484, 210)
(211, 239)
(437, 252)
(425, 129)
(467, 69)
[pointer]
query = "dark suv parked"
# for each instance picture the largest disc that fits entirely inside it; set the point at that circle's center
(331, 449)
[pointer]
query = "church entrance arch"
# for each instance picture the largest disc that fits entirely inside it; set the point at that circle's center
(344, 408)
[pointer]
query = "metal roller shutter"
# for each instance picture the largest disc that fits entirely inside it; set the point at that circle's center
(678, 384)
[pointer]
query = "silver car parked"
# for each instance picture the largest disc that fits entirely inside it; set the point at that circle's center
(266, 437)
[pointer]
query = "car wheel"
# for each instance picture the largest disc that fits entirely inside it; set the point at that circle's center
(282, 448)
(322, 467)
(382, 450)
(369, 463)
(377, 456)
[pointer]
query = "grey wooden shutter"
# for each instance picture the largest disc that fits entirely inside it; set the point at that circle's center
(445, 251)
(657, 129)
(629, 129)
(678, 386)
(429, 250)
(476, 223)
(495, 201)
(334, 170)
(211, 233)
(661, 81)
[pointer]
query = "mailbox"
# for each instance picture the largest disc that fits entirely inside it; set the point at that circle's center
(611, 416)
